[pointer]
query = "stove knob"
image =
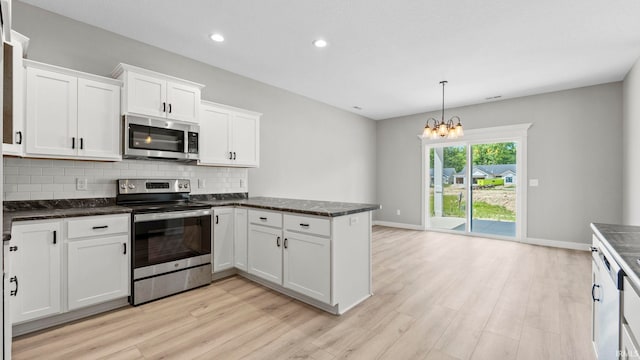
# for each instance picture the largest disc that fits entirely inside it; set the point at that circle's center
(186, 185)
(132, 186)
(180, 186)
(123, 186)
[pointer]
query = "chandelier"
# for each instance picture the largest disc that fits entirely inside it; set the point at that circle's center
(434, 129)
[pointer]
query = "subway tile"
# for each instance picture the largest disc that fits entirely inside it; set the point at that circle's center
(13, 196)
(128, 173)
(29, 171)
(43, 195)
(29, 187)
(73, 171)
(16, 162)
(53, 171)
(111, 174)
(10, 170)
(10, 188)
(53, 187)
(42, 179)
(41, 163)
(93, 172)
(64, 179)
(13, 179)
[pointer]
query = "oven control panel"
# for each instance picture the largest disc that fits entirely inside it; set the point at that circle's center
(142, 186)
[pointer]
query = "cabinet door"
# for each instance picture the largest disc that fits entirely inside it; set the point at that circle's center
(183, 102)
(13, 139)
(146, 95)
(595, 305)
(265, 253)
(36, 270)
(98, 120)
(222, 239)
(98, 270)
(245, 139)
(240, 239)
(215, 130)
(307, 265)
(52, 113)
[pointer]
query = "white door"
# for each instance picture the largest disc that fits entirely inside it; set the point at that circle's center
(36, 270)
(98, 120)
(240, 239)
(183, 102)
(265, 253)
(51, 113)
(215, 130)
(222, 239)
(307, 265)
(98, 270)
(146, 95)
(245, 139)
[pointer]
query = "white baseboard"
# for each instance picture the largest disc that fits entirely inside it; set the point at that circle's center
(557, 244)
(398, 225)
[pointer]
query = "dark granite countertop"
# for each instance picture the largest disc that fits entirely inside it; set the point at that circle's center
(623, 242)
(309, 207)
(55, 209)
(52, 209)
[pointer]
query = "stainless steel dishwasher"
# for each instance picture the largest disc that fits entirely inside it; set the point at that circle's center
(606, 294)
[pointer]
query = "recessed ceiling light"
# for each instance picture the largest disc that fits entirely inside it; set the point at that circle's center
(320, 43)
(493, 97)
(357, 107)
(217, 37)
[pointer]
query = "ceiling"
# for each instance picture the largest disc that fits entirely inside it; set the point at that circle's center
(388, 57)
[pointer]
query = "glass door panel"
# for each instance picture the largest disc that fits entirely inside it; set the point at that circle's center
(493, 189)
(447, 188)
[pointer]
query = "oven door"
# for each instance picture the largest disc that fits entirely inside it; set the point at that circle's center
(155, 138)
(164, 242)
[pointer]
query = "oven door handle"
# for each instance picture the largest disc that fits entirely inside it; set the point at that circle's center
(170, 215)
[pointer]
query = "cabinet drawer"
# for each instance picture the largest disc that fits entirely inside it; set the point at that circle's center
(309, 225)
(97, 225)
(631, 306)
(267, 218)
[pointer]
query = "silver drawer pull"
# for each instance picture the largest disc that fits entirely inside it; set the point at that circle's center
(100, 227)
(304, 225)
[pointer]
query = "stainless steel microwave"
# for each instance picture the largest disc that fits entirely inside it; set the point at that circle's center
(149, 138)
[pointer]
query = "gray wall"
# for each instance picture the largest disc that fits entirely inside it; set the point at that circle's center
(631, 145)
(308, 149)
(573, 149)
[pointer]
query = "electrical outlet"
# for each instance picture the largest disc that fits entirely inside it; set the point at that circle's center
(533, 182)
(202, 183)
(241, 183)
(81, 184)
(398, 212)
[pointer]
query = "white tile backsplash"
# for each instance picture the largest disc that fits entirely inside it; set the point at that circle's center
(37, 179)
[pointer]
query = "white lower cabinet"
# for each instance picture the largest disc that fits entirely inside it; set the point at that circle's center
(36, 270)
(223, 231)
(265, 252)
(98, 270)
(240, 237)
(94, 268)
(307, 265)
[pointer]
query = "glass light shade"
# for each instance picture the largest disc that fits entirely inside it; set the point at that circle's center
(148, 140)
(427, 132)
(443, 130)
(434, 134)
(459, 131)
(452, 134)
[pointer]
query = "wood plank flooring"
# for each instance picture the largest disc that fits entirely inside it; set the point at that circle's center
(437, 296)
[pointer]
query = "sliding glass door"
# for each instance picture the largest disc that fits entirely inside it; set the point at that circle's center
(480, 198)
(447, 193)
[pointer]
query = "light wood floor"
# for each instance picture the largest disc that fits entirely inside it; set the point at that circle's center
(437, 296)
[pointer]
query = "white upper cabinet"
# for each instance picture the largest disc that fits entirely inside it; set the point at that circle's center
(230, 136)
(70, 114)
(98, 115)
(13, 121)
(149, 93)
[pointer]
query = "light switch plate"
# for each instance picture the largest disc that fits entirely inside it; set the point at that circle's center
(533, 182)
(81, 184)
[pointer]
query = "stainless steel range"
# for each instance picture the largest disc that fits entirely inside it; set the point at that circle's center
(171, 238)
